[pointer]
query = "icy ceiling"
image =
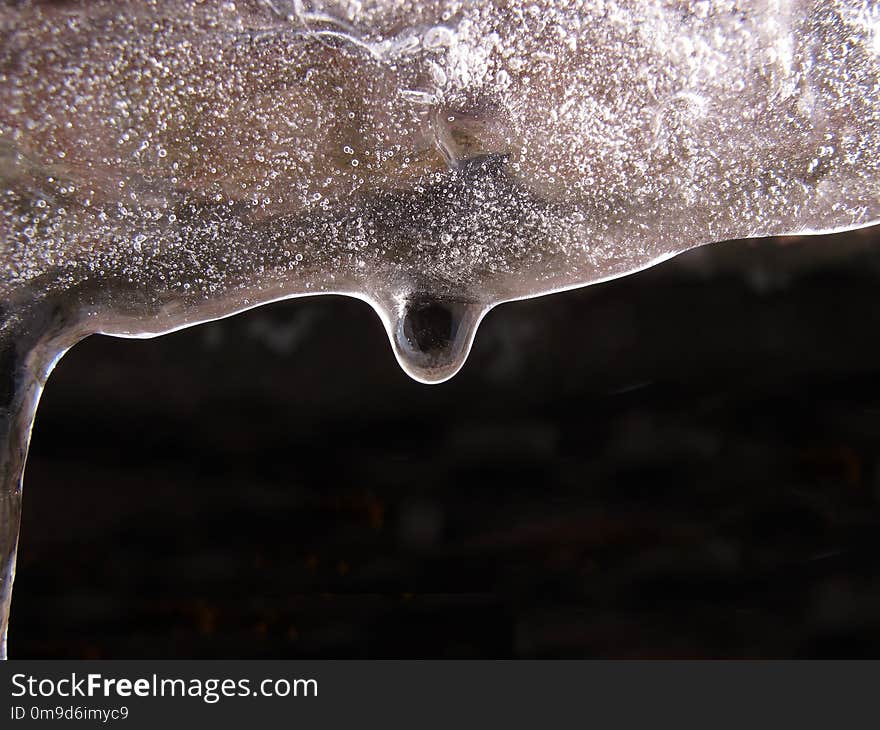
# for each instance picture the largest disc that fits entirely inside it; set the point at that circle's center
(166, 162)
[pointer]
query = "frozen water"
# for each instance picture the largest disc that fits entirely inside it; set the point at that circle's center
(163, 163)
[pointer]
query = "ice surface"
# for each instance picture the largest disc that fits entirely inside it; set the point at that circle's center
(163, 163)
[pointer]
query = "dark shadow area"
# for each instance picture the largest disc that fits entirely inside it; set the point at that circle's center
(682, 463)
(428, 326)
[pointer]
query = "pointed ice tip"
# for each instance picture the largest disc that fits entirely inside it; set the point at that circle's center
(432, 337)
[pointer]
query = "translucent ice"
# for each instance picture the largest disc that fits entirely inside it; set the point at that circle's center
(163, 163)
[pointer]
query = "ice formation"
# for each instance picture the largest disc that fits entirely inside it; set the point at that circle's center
(163, 162)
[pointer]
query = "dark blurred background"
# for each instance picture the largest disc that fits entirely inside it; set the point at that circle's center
(681, 463)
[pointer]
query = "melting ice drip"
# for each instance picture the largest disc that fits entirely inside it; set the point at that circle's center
(165, 163)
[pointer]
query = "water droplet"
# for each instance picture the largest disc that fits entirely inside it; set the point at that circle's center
(432, 336)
